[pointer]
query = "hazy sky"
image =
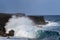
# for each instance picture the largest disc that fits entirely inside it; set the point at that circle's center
(31, 7)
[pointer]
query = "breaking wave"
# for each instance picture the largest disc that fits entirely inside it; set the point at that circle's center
(25, 27)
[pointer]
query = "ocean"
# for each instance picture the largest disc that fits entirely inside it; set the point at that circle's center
(26, 30)
(52, 31)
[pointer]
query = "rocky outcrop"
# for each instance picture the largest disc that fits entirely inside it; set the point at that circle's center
(4, 17)
(11, 33)
(38, 19)
(3, 20)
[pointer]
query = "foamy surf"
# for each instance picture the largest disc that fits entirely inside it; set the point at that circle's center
(51, 26)
(23, 27)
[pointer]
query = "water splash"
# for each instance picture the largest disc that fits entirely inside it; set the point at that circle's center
(23, 27)
(51, 26)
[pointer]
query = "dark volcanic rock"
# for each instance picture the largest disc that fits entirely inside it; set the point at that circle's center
(11, 33)
(3, 20)
(38, 19)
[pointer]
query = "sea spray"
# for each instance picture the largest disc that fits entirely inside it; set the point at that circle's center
(23, 27)
(51, 26)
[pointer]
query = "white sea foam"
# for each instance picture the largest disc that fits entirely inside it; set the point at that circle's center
(51, 26)
(23, 27)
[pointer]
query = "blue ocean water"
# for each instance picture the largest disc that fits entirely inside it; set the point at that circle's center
(53, 33)
(55, 18)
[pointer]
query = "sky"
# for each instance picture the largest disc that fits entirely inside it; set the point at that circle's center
(31, 7)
